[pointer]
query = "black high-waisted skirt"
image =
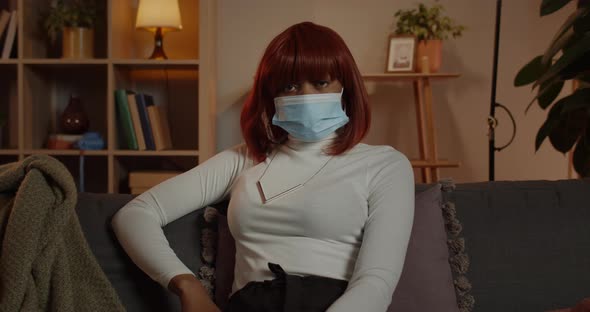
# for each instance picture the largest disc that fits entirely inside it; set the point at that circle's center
(287, 293)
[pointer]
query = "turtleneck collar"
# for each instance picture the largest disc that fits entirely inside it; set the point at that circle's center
(297, 144)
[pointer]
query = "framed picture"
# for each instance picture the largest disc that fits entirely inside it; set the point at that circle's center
(401, 54)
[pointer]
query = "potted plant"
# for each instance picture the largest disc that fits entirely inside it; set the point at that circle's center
(567, 58)
(430, 27)
(75, 21)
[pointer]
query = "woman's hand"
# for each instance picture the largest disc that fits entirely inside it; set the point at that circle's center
(193, 296)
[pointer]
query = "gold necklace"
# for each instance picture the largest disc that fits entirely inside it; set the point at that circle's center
(290, 190)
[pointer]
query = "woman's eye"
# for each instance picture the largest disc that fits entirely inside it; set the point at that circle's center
(290, 88)
(322, 83)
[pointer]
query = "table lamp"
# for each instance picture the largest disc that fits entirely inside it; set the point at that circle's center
(159, 17)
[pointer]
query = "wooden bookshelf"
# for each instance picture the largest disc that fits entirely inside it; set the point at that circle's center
(10, 152)
(36, 84)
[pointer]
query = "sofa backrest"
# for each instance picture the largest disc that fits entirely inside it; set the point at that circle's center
(136, 290)
(528, 242)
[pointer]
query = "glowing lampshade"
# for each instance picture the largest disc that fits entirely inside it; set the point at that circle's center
(158, 16)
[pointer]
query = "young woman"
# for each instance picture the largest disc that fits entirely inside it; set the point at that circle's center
(320, 220)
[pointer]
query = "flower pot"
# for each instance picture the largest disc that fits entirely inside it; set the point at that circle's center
(77, 42)
(431, 49)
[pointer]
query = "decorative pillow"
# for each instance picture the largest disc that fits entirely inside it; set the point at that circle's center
(224, 263)
(426, 283)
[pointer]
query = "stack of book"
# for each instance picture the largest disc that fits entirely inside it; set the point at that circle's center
(143, 125)
(8, 26)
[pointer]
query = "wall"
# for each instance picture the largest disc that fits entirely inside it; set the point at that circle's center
(461, 105)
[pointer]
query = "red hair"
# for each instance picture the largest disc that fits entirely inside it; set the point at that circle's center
(304, 51)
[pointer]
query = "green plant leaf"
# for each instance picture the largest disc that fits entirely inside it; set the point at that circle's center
(562, 43)
(543, 133)
(569, 56)
(563, 35)
(582, 155)
(542, 91)
(530, 72)
(584, 77)
(580, 65)
(570, 127)
(548, 94)
(3, 119)
(580, 99)
(582, 24)
(426, 23)
(550, 123)
(550, 6)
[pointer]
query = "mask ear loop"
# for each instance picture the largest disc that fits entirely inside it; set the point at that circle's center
(342, 102)
(268, 128)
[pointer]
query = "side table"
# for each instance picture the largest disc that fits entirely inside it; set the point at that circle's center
(428, 163)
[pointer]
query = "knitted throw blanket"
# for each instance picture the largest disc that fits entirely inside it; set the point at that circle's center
(45, 261)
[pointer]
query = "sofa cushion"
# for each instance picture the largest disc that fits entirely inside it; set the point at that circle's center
(426, 282)
(528, 242)
(224, 263)
(137, 291)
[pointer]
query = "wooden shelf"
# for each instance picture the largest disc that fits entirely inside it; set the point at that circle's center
(147, 62)
(55, 61)
(408, 76)
(417, 163)
(13, 152)
(67, 152)
(75, 152)
(36, 87)
(156, 153)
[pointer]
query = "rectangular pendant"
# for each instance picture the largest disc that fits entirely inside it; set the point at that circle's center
(266, 198)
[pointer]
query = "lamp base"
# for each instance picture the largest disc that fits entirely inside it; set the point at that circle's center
(158, 53)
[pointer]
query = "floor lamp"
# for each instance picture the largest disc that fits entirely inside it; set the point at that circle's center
(492, 121)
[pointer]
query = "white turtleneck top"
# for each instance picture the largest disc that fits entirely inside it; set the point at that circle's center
(347, 217)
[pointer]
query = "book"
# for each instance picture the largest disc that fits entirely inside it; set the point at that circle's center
(124, 117)
(136, 121)
(4, 19)
(143, 102)
(160, 127)
(10, 35)
(62, 141)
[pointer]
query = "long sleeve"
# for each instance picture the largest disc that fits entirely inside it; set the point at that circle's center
(385, 239)
(138, 225)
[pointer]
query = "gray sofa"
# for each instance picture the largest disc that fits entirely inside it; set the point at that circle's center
(528, 244)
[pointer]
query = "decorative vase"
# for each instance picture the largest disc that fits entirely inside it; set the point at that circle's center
(432, 49)
(77, 42)
(74, 119)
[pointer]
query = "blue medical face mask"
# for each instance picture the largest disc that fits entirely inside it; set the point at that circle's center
(310, 117)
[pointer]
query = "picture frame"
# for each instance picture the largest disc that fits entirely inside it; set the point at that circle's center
(401, 54)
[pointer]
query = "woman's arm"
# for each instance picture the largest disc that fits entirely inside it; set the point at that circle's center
(138, 225)
(385, 239)
(193, 296)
